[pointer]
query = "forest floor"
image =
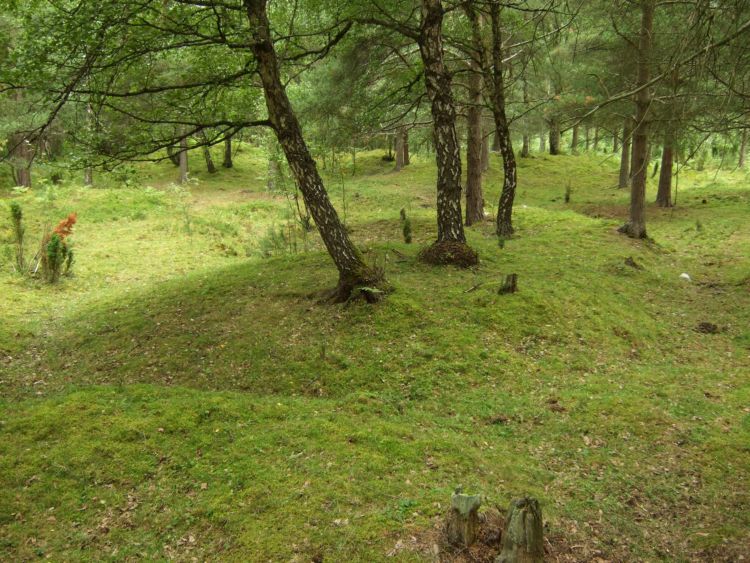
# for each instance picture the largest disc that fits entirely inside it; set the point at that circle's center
(185, 396)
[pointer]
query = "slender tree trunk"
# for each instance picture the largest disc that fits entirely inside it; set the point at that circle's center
(485, 149)
(492, 60)
(227, 163)
(664, 193)
(525, 147)
(474, 196)
(574, 140)
(210, 166)
(88, 176)
(625, 155)
(88, 172)
(353, 272)
(587, 138)
(554, 136)
(636, 225)
(743, 149)
(542, 142)
(21, 153)
(183, 160)
(447, 150)
(407, 158)
(399, 151)
(495, 142)
(596, 138)
(615, 142)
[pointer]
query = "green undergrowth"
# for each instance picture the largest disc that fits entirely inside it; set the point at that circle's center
(185, 394)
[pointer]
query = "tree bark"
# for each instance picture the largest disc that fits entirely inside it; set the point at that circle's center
(596, 138)
(636, 225)
(21, 153)
(353, 272)
(587, 138)
(664, 193)
(399, 151)
(525, 147)
(407, 158)
(491, 63)
(485, 149)
(474, 196)
(542, 142)
(227, 163)
(743, 149)
(615, 142)
(554, 136)
(210, 166)
(625, 155)
(574, 140)
(447, 150)
(523, 537)
(183, 160)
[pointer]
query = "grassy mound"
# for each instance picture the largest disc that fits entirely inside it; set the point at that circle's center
(187, 395)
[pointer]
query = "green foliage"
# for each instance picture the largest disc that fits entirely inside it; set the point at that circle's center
(57, 258)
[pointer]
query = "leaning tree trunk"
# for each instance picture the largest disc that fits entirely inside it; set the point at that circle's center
(743, 149)
(227, 163)
(664, 193)
(210, 166)
(447, 150)
(554, 135)
(353, 272)
(636, 225)
(474, 196)
(625, 155)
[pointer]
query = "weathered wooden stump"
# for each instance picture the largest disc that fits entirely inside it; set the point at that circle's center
(523, 535)
(510, 285)
(462, 526)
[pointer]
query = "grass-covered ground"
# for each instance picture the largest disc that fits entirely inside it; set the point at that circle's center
(184, 395)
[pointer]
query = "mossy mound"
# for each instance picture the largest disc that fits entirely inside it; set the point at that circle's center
(443, 253)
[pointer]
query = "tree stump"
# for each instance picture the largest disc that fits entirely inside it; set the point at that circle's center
(510, 285)
(462, 526)
(523, 536)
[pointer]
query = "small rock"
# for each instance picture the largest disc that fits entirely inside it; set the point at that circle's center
(685, 276)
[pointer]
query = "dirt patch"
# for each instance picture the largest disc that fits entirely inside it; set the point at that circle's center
(449, 253)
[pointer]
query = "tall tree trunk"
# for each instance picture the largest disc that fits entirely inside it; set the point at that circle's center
(625, 155)
(21, 153)
(525, 147)
(227, 162)
(183, 160)
(447, 150)
(664, 193)
(474, 196)
(492, 61)
(542, 142)
(485, 148)
(636, 225)
(399, 150)
(596, 138)
(495, 142)
(574, 140)
(743, 149)
(554, 135)
(615, 142)
(587, 138)
(407, 158)
(210, 166)
(353, 272)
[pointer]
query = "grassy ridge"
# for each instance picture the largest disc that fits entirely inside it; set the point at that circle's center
(184, 397)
